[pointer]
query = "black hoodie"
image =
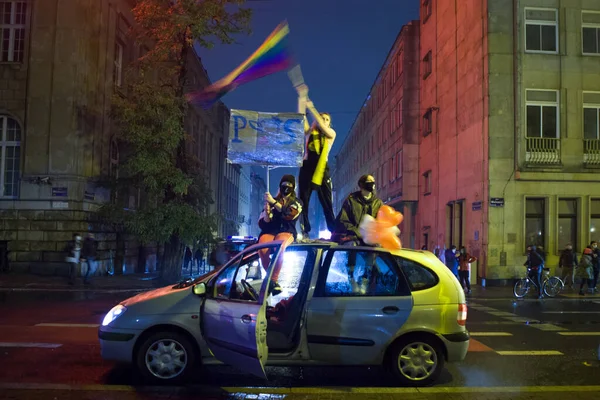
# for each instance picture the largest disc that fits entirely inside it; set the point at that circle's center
(353, 210)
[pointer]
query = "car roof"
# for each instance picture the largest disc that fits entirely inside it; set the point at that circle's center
(420, 256)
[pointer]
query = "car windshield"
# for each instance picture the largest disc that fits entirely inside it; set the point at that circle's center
(202, 278)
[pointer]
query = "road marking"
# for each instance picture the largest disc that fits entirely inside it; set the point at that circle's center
(69, 325)
(298, 390)
(490, 334)
(571, 312)
(502, 314)
(530, 353)
(548, 327)
(522, 319)
(579, 333)
(35, 345)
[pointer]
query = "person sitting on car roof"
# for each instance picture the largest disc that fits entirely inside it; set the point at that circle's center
(278, 222)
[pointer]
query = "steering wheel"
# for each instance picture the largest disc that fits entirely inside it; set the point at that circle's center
(249, 289)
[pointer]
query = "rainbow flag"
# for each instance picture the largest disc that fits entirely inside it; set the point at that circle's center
(272, 56)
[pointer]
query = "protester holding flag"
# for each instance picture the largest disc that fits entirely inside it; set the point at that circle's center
(314, 173)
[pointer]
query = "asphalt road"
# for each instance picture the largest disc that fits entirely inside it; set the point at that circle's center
(542, 349)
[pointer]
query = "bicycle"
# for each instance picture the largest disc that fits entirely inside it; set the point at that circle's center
(551, 285)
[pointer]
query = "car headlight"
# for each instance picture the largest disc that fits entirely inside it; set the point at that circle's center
(113, 314)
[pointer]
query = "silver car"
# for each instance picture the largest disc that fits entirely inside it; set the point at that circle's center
(314, 304)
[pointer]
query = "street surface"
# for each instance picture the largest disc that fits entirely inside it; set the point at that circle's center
(530, 349)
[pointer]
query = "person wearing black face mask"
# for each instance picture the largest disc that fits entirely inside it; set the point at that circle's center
(278, 219)
(355, 207)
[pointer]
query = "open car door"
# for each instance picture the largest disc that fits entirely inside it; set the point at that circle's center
(233, 316)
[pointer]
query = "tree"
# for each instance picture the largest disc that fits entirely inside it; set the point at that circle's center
(150, 121)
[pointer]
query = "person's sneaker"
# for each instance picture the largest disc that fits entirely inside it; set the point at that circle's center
(274, 288)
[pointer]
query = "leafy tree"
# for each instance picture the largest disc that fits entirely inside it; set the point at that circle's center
(150, 121)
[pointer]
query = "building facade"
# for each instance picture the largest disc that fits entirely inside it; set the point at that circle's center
(60, 64)
(509, 130)
(384, 140)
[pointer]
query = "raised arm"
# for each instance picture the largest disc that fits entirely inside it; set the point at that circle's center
(327, 131)
(302, 99)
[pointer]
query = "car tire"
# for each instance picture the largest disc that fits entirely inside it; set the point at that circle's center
(165, 357)
(417, 360)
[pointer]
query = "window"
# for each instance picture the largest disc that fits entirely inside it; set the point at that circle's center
(535, 221)
(391, 176)
(594, 219)
(567, 223)
(399, 66)
(399, 164)
(10, 156)
(362, 273)
(426, 10)
(419, 277)
(427, 182)
(118, 61)
(542, 114)
(591, 115)
(13, 16)
(427, 65)
(427, 123)
(398, 115)
(541, 30)
(590, 32)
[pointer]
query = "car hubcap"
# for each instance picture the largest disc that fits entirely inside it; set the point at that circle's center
(417, 361)
(166, 359)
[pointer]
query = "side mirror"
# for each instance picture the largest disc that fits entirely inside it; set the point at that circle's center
(200, 289)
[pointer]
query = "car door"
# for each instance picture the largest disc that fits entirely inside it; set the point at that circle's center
(361, 300)
(233, 323)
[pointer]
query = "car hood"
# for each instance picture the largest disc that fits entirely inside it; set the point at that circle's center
(174, 292)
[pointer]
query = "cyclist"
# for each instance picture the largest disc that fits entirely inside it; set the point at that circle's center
(535, 265)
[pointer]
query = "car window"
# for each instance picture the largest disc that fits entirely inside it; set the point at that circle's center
(229, 285)
(362, 273)
(288, 279)
(419, 277)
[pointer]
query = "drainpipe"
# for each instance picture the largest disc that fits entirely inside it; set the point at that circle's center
(516, 58)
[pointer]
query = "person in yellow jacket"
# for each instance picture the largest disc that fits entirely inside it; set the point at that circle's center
(314, 173)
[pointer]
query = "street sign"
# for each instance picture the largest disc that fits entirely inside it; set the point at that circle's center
(476, 206)
(497, 202)
(269, 139)
(59, 192)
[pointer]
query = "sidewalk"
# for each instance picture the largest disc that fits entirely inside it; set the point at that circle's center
(506, 292)
(130, 282)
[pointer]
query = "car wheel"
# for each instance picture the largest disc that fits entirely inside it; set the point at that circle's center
(165, 357)
(416, 361)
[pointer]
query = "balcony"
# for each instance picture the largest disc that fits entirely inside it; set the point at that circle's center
(543, 151)
(591, 152)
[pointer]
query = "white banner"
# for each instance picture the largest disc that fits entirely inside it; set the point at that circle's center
(259, 138)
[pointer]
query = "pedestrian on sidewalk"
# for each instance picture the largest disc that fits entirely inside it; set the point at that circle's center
(464, 266)
(73, 250)
(452, 260)
(88, 255)
(595, 265)
(585, 271)
(187, 259)
(199, 256)
(568, 263)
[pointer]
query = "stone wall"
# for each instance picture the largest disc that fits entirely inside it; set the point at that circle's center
(37, 239)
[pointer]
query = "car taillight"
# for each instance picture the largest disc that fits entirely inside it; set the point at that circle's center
(462, 314)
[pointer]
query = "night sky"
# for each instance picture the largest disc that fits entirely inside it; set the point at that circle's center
(340, 45)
